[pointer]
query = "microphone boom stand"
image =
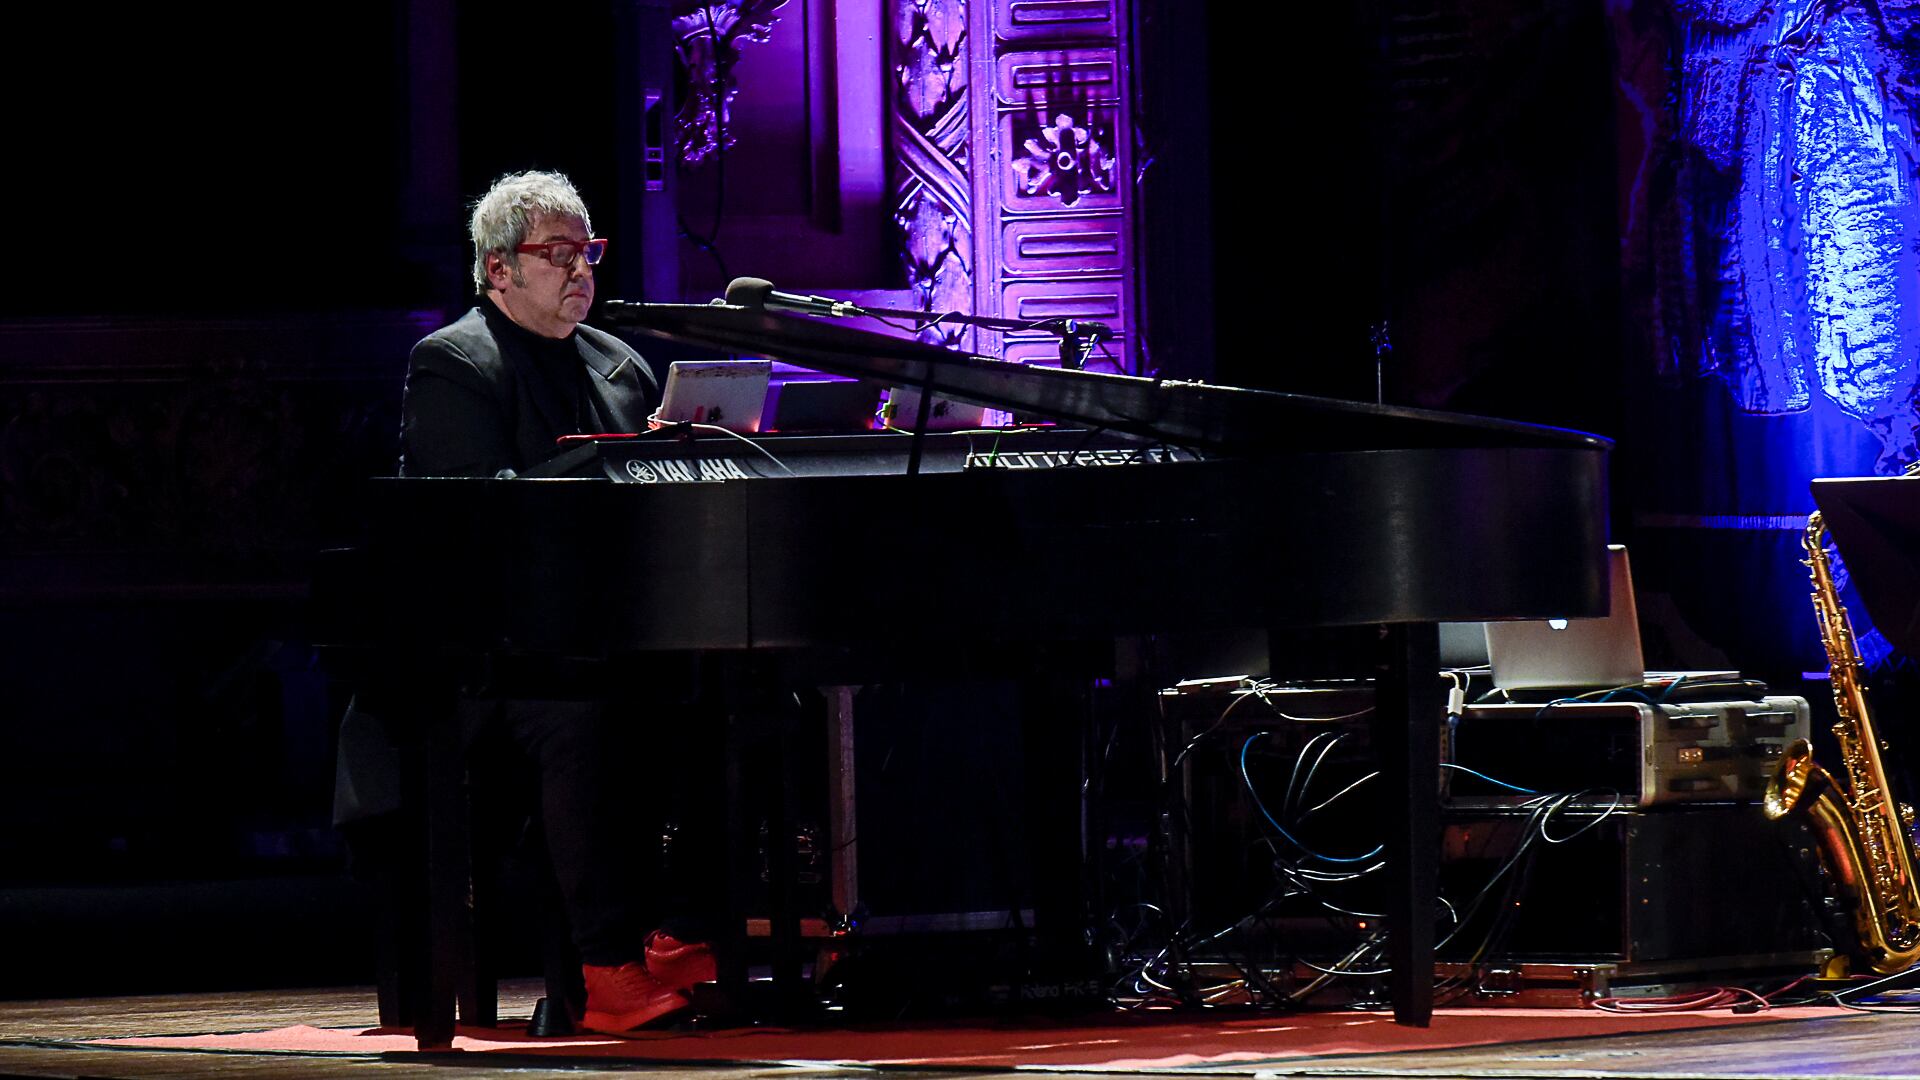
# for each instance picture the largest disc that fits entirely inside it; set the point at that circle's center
(1073, 353)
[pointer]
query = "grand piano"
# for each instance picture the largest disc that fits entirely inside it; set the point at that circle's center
(1242, 508)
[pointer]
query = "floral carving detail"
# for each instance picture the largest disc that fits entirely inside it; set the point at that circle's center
(1064, 160)
(708, 39)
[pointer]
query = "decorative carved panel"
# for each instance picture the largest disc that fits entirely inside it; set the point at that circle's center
(1100, 300)
(1090, 75)
(1025, 19)
(930, 136)
(1057, 160)
(1012, 191)
(707, 40)
(1034, 246)
(1057, 131)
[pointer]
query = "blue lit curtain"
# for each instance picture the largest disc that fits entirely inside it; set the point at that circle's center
(1796, 218)
(1771, 249)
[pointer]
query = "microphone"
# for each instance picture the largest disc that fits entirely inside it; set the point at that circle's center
(759, 294)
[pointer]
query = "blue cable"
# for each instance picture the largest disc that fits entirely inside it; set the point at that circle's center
(1488, 779)
(1248, 745)
(1629, 691)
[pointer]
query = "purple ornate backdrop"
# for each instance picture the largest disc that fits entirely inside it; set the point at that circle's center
(1011, 143)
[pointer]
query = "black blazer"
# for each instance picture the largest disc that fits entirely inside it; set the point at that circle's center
(479, 398)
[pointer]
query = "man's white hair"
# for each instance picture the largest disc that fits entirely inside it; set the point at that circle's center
(502, 216)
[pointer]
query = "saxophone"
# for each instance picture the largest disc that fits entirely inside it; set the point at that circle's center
(1865, 837)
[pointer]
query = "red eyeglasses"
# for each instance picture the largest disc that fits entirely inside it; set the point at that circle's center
(561, 253)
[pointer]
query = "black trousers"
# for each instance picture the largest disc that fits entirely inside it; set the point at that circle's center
(600, 822)
(616, 806)
(628, 802)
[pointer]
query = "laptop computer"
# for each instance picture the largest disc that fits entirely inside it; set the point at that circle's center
(730, 394)
(1573, 655)
(804, 405)
(903, 411)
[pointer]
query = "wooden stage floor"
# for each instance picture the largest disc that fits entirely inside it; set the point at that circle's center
(37, 1040)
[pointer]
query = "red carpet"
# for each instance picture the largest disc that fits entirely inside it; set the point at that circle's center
(1229, 1043)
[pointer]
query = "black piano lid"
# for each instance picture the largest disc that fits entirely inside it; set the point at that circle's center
(1220, 418)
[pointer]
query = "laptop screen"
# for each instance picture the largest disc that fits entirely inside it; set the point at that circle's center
(725, 393)
(1574, 654)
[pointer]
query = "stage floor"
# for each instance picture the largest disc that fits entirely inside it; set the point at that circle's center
(60, 1039)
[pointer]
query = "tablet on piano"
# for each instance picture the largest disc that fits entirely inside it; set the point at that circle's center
(724, 393)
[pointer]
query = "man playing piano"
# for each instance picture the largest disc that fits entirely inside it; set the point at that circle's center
(490, 393)
(488, 396)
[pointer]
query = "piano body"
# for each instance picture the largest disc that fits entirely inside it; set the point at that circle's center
(1219, 507)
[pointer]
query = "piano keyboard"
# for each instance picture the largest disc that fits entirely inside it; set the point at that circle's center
(711, 458)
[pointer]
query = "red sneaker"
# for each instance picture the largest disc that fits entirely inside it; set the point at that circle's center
(625, 999)
(679, 964)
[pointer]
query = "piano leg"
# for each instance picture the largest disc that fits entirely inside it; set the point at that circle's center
(1053, 712)
(478, 993)
(742, 871)
(783, 910)
(762, 744)
(449, 928)
(1406, 730)
(843, 836)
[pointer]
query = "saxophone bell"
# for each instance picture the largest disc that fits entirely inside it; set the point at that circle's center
(1789, 782)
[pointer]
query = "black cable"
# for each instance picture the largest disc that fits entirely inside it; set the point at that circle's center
(900, 325)
(1532, 834)
(1505, 917)
(1168, 971)
(1313, 770)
